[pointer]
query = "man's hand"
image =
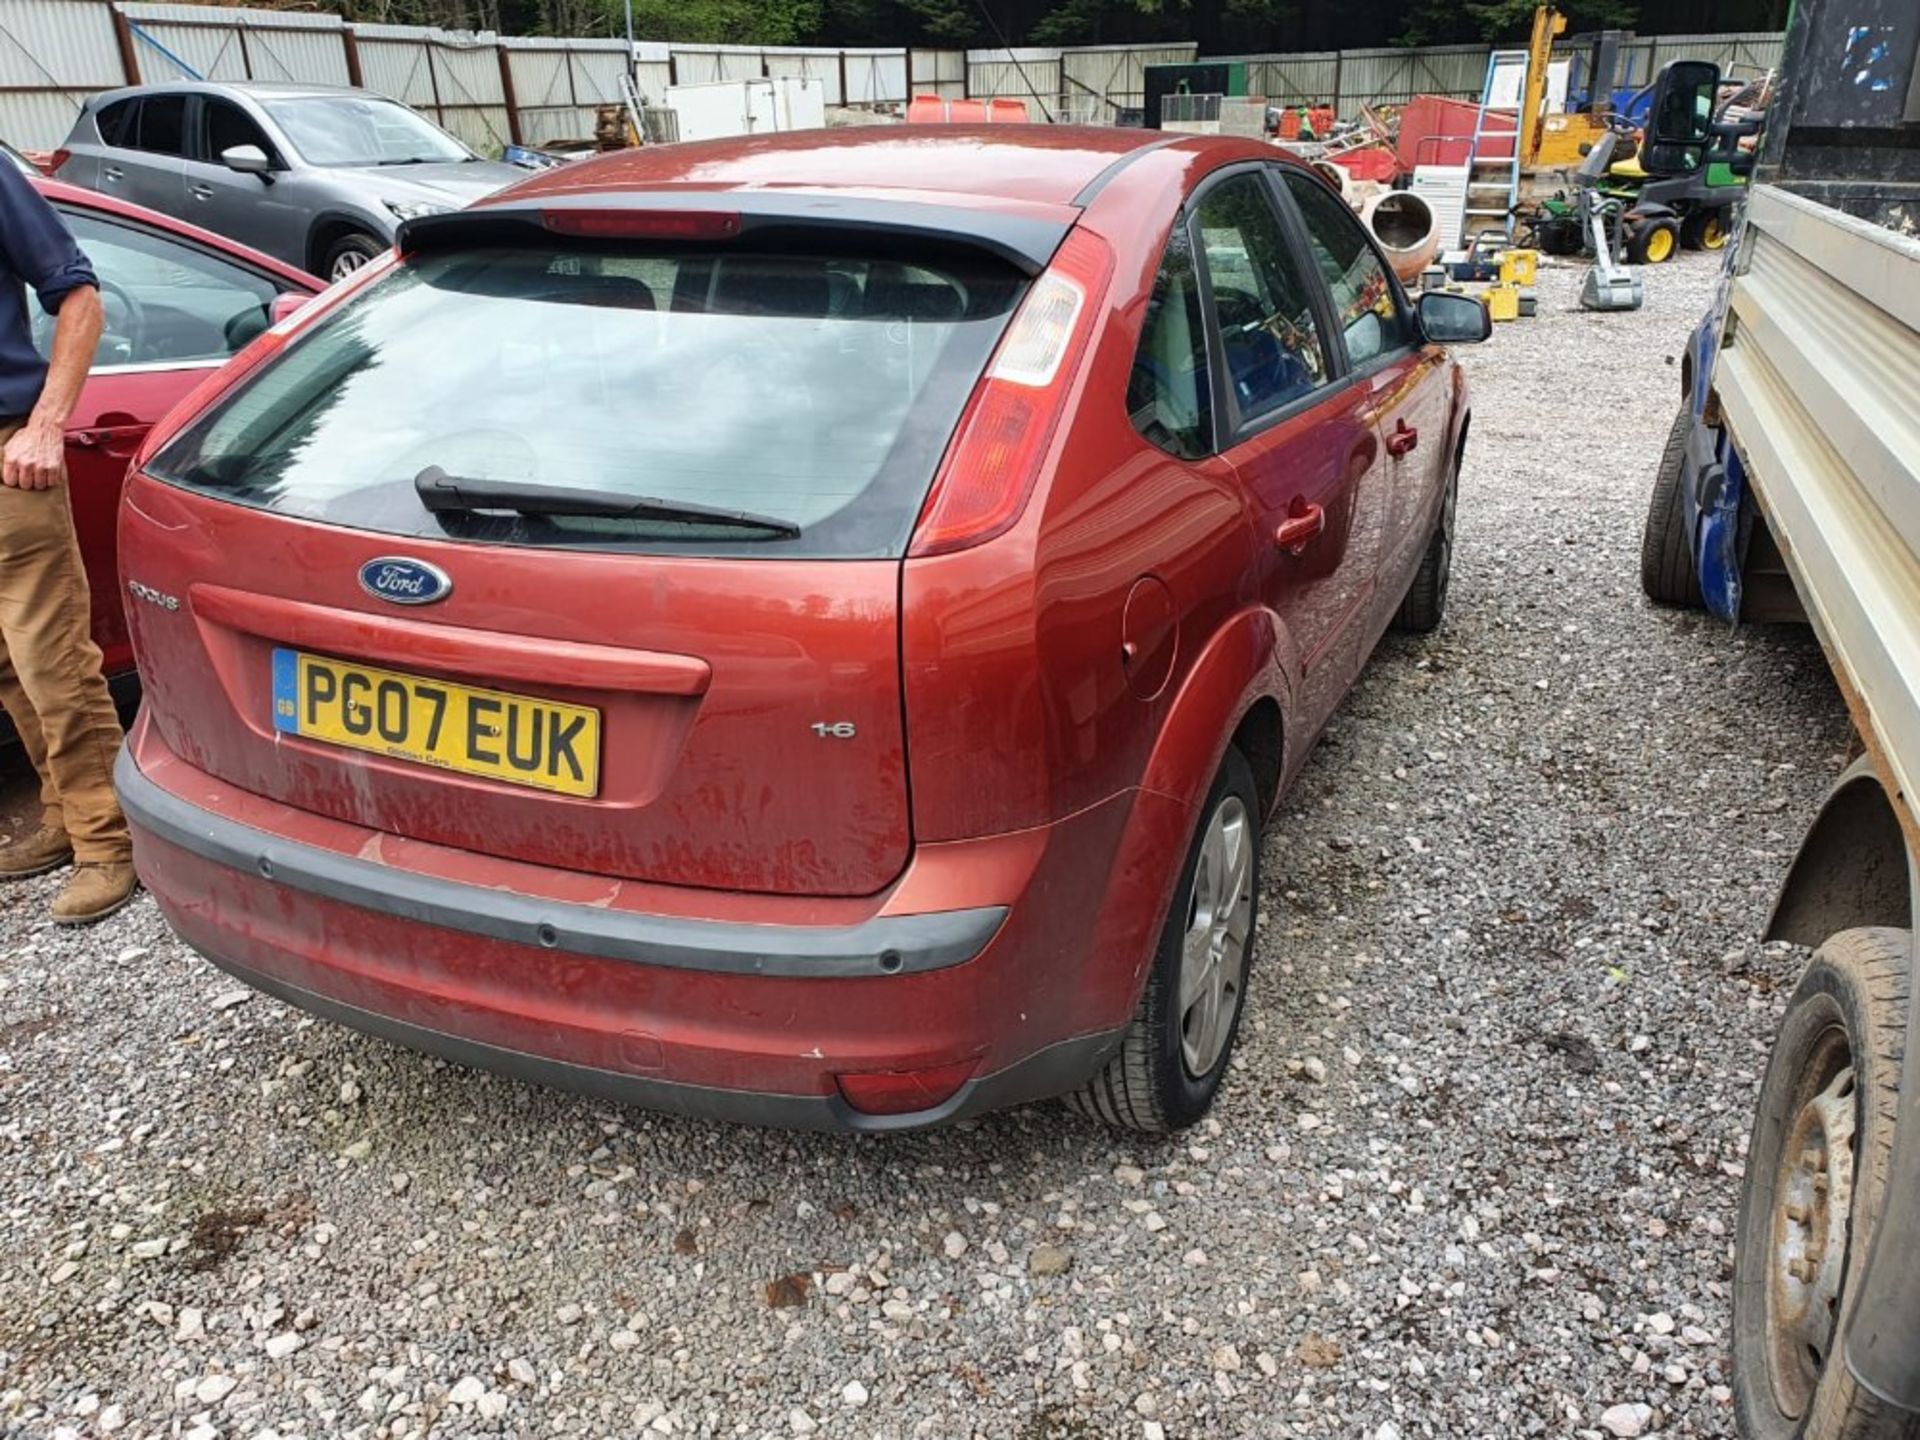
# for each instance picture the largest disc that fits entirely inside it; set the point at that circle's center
(35, 457)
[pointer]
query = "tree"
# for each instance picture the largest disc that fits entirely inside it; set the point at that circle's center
(1442, 22)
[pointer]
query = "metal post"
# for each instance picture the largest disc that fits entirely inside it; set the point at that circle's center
(351, 44)
(123, 38)
(506, 93)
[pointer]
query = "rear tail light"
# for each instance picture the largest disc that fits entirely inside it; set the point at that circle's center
(902, 1092)
(288, 320)
(56, 160)
(1004, 435)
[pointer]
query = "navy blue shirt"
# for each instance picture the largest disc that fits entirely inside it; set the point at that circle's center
(37, 252)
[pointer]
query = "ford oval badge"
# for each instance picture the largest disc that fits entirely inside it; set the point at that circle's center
(404, 581)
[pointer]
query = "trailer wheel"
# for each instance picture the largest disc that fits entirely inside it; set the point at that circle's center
(1666, 559)
(1816, 1180)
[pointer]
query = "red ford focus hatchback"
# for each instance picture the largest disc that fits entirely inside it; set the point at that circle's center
(802, 629)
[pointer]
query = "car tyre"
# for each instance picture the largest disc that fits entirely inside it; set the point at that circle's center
(1176, 1050)
(349, 253)
(1827, 1113)
(1667, 571)
(1425, 602)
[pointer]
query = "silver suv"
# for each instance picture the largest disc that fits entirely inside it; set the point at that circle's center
(316, 175)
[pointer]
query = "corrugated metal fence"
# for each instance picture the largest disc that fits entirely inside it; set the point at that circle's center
(491, 90)
(1348, 79)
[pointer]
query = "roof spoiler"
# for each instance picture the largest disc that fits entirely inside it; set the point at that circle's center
(1026, 242)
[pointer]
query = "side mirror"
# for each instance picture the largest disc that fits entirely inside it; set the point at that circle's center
(1453, 319)
(288, 304)
(246, 159)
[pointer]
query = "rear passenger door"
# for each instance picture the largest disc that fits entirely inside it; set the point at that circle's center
(147, 167)
(1408, 391)
(1301, 442)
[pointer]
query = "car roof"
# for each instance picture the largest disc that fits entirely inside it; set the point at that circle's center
(1046, 165)
(60, 193)
(256, 89)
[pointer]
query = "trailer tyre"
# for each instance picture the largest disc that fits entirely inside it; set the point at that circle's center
(1666, 558)
(1816, 1181)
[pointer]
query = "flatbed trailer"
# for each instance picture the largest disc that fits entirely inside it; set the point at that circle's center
(1790, 488)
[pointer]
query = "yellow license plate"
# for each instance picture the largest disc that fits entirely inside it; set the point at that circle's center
(515, 739)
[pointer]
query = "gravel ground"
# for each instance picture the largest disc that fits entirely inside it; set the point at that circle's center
(1474, 1177)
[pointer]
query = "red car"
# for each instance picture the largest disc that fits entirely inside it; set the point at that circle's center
(805, 629)
(179, 304)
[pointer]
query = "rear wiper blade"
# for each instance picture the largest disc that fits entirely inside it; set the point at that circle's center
(445, 494)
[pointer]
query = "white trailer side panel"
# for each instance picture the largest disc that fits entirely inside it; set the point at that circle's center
(1817, 375)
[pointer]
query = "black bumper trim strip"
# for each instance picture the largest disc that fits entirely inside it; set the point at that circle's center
(885, 945)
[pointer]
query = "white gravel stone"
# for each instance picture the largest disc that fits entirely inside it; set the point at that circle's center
(467, 1390)
(212, 1389)
(280, 1346)
(1626, 1421)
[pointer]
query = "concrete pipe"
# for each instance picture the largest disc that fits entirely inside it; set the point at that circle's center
(1403, 224)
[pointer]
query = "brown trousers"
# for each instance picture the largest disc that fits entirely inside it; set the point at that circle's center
(50, 680)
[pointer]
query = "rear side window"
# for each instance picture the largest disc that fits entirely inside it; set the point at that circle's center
(1268, 332)
(117, 121)
(163, 125)
(816, 391)
(1167, 391)
(1363, 295)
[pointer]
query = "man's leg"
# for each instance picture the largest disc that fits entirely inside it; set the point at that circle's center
(46, 619)
(47, 847)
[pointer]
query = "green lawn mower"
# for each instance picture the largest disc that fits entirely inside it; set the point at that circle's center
(1668, 195)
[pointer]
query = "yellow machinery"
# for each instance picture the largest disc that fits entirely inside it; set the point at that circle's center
(1554, 141)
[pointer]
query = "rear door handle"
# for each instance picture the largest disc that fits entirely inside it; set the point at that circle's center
(1403, 438)
(1293, 533)
(112, 172)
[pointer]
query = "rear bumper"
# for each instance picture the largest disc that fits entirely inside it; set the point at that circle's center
(703, 1014)
(882, 945)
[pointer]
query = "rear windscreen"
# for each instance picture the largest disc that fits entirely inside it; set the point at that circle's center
(814, 392)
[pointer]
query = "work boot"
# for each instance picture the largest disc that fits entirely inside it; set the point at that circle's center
(97, 889)
(48, 848)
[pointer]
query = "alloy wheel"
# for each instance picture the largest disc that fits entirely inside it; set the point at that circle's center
(1214, 950)
(345, 263)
